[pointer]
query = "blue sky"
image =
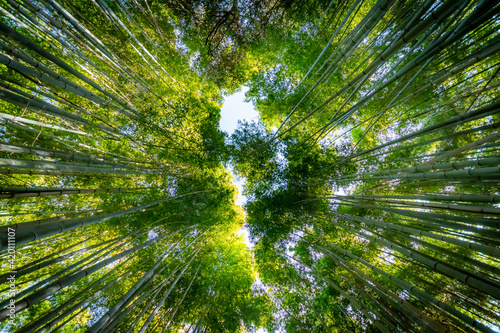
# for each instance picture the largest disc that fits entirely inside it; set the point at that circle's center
(234, 109)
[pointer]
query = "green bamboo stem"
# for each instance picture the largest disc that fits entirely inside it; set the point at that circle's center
(7, 31)
(45, 192)
(94, 159)
(181, 300)
(115, 315)
(108, 10)
(42, 231)
(69, 167)
(142, 293)
(488, 250)
(4, 229)
(37, 123)
(32, 289)
(407, 37)
(95, 44)
(37, 104)
(44, 320)
(164, 297)
(68, 280)
(460, 258)
(429, 141)
(334, 35)
(460, 150)
(368, 23)
(464, 174)
(417, 292)
(24, 271)
(46, 257)
(136, 290)
(58, 25)
(48, 75)
(376, 321)
(144, 309)
(478, 113)
(442, 226)
(449, 207)
(484, 198)
(131, 293)
(487, 286)
(414, 312)
(199, 324)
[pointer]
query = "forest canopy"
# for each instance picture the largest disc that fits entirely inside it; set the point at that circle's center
(372, 176)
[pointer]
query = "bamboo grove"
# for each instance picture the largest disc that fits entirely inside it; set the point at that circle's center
(372, 176)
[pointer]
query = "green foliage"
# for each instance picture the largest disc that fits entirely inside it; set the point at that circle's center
(372, 177)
